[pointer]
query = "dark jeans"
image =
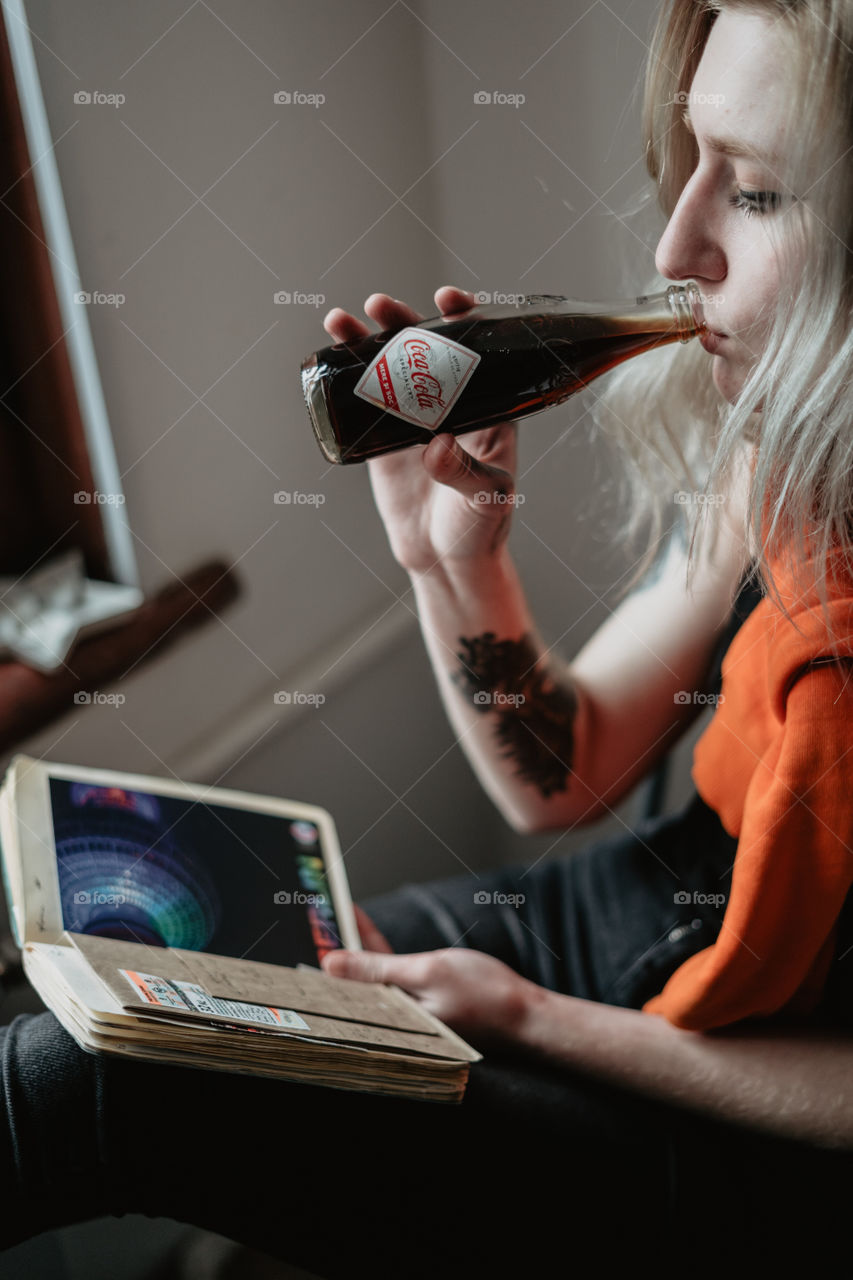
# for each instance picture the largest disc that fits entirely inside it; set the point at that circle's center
(535, 1160)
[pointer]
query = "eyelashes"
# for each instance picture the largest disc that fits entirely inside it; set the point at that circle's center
(759, 202)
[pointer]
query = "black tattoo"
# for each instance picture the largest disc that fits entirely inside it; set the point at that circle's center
(535, 713)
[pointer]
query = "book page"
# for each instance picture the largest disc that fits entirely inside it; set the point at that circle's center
(335, 1009)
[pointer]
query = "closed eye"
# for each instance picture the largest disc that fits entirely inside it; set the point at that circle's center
(755, 201)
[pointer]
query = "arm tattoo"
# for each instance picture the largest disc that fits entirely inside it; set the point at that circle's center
(534, 713)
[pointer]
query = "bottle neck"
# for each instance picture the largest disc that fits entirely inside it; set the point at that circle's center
(686, 303)
(679, 306)
(656, 312)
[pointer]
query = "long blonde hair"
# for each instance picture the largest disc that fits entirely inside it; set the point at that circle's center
(663, 408)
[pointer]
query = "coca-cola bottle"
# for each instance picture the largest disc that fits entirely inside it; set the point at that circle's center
(478, 367)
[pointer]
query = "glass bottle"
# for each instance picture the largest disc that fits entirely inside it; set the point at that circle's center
(479, 367)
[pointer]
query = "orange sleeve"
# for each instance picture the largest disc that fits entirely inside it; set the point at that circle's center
(793, 868)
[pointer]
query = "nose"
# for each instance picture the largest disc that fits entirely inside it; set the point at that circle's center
(689, 247)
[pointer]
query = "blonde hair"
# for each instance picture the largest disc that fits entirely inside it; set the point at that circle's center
(663, 408)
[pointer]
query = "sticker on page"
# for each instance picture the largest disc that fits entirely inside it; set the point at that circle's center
(171, 994)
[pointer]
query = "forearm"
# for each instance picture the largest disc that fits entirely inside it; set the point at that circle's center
(521, 719)
(796, 1085)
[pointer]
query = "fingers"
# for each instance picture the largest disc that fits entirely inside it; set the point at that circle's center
(411, 972)
(344, 327)
(449, 299)
(446, 461)
(364, 966)
(390, 313)
(386, 311)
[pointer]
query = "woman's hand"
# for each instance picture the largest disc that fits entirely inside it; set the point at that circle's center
(477, 995)
(427, 495)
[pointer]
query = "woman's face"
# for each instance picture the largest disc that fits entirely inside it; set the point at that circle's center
(718, 230)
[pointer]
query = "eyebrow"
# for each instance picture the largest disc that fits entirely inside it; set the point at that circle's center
(728, 146)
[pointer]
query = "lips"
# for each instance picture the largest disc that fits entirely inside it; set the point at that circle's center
(712, 340)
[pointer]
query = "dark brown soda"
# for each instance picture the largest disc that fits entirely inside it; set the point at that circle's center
(527, 363)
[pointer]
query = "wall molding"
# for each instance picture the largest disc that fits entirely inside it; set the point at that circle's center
(331, 668)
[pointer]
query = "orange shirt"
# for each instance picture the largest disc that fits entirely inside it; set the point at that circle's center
(776, 763)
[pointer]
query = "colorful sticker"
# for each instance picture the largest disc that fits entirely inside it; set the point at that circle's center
(304, 832)
(189, 995)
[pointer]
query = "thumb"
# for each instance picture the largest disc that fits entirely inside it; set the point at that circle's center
(448, 463)
(364, 966)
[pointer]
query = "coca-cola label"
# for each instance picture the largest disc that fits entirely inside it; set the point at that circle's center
(418, 376)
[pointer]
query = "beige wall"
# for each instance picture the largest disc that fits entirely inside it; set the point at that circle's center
(498, 198)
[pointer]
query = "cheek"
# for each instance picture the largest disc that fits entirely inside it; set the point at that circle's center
(755, 278)
(757, 293)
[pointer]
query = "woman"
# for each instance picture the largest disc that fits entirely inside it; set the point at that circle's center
(648, 1062)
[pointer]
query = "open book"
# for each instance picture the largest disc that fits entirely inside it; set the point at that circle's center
(182, 923)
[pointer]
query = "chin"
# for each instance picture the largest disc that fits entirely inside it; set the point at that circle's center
(727, 382)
